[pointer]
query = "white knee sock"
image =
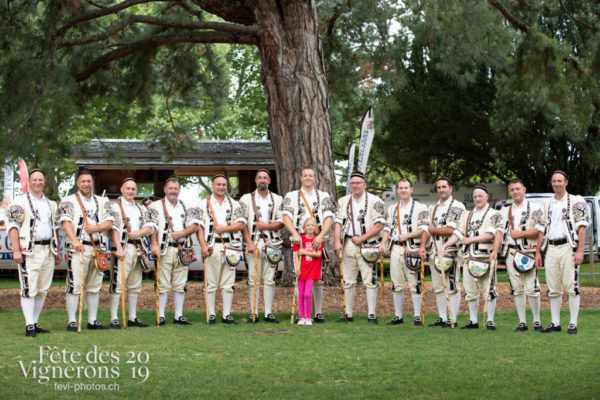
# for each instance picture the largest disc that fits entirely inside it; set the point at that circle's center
(317, 293)
(39, 305)
(555, 305)
(227, 301)
(398, 303)
(455, 306)
(416, 299)
(491, 309)
(350, 293)
(178, 298)
(132, 306)
(93, 300)
(371, 300)
(114, 306)
(534, 303)
(574, 308)
(473, 308)
(162, 304)
(440, 299)
(212, 296)
(521, 308)
(28, 307)
(72, 304)
(269, 295)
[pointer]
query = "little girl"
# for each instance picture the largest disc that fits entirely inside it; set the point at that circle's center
(310, 269)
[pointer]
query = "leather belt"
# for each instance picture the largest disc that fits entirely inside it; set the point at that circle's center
(557, 242)
(172, 244)
(44, 242)
(348, 237)
(218, 240)
(398, 243)
(130, 241)
(86, 243)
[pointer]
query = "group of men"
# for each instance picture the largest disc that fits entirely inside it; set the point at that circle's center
(454, 239)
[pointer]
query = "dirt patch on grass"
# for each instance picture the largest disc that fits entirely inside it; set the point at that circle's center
(332, 302)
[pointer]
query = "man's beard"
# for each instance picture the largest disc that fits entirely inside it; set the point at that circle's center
(262, 187)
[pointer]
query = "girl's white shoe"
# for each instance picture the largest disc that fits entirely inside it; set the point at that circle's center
(308, 322)
(302, 321)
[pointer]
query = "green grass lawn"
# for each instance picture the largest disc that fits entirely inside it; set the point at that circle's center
(333, 361)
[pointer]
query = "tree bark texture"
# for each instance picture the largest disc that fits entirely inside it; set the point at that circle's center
(295, 86)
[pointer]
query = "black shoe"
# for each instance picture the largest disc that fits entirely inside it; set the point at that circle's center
(136, 322)
(72, 327)
(96, 325)
(212, 319)
(256, 319)
(114, 324)
(552, 328)
(471, 325)
(161, 321)
(447, 324)
(297, 320)
(372, 319)
(342, 319)
(39, 329)
(181, 321)
(417, 321)
(572, 329)
(271, 318)
(490, 326)
(319, 319)
(521, 327)
(438, 322)
(228, 319)
(537, 326)
(30, 330)
(396, 320)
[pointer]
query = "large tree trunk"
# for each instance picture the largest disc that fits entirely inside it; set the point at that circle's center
(295, 85)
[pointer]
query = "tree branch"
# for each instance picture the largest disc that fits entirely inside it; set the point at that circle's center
(511, 18)
(229, 10)
(164, 40)
(101, 13)
(132, 19)
(593, 29)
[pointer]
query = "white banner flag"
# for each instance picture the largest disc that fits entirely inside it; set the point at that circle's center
(350, 166)
(367, 132)
(9, 178)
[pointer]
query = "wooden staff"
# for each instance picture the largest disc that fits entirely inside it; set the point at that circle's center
(254, 294)
(489, 283)
(296, 265)
(80, 291)
(441, 259)
(422, 291)
(343, 291)
(157, 273)
(382, 289)
(123, 292)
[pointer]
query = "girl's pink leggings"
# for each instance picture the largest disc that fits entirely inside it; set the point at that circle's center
(305, 298)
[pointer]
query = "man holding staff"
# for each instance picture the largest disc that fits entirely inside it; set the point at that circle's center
(131, 225)
(519, 236)
(359, 220)
(477, 229)
(221, 222)
(35, 248)
(173, 223)
(405, 223)
(444, 217)
(301, 204)
(562, 235)
(82, 275)
(262, 211)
